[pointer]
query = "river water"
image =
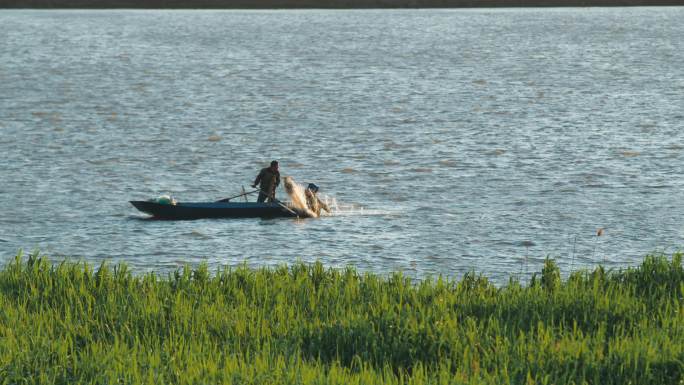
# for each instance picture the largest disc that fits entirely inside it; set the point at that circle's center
(452, 140)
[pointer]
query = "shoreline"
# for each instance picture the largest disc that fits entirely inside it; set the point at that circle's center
(329, 4)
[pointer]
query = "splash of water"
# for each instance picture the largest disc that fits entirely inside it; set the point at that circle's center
(297, 196)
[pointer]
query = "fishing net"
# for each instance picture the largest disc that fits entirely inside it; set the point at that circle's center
(297, 196)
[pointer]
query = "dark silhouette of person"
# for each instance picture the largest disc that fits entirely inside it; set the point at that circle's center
(268, 179)
(312, 200)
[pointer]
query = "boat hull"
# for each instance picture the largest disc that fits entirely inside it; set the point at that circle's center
(197, 210)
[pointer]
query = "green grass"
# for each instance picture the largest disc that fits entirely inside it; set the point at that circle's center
(70, 323)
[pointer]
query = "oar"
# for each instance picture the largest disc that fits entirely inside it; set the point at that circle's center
(239, 195)
(280, 203)
(245, 194)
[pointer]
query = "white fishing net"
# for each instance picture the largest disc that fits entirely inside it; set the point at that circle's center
(297, 196)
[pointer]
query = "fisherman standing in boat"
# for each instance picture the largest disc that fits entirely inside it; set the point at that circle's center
(312, 200)
(268, 179)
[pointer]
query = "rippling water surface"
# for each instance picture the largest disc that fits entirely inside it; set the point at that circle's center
(453, 140)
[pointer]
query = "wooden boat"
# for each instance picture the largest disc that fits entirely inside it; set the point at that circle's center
(197, 210)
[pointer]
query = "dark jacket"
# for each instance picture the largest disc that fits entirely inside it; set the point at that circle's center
(267, 180)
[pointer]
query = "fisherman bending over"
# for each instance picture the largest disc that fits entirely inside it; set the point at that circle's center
(312, 200)
(268, 179)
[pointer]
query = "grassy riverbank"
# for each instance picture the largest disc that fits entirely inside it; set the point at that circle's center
(70, 323)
